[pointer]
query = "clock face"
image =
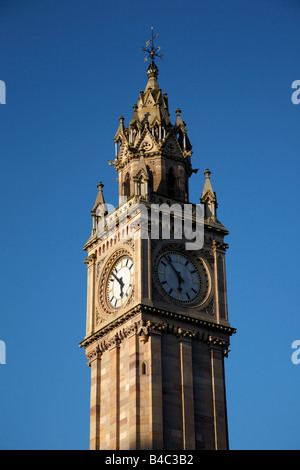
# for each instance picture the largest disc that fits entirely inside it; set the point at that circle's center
(178, 276)
(120, 282)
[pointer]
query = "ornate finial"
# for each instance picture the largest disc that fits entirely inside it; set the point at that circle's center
(100, 185)
(207, 173)
(152, 53)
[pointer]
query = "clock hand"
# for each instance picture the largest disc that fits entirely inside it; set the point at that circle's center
(179, 278)
(120, 281)
(116, 278)
(122, 285)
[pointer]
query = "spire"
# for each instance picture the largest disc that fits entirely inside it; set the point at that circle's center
(151, 134)
(99, 209)
(121, 129)
(207, 185)
(99, 201)
(208, 198)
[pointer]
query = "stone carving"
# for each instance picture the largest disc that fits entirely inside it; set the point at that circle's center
(218, 344)
(210, 309)
(99, 318)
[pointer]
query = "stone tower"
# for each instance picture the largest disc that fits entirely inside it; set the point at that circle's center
(157, 328)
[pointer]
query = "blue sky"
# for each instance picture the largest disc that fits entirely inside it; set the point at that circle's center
(71, 68)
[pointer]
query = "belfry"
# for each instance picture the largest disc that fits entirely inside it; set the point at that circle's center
(157, 327)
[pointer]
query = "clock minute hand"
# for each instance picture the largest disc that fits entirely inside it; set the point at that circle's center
(179, 278)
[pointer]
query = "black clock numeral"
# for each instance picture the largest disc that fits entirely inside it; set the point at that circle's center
(187, 294)
(170, 291)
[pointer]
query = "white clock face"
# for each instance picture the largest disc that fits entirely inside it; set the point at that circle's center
(178, 276)
(120, 282)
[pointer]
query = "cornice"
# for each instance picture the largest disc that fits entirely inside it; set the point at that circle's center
(140, 308)
(144, 329)
(119, 165)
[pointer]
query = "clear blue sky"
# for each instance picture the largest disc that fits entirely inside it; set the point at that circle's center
(71, 68)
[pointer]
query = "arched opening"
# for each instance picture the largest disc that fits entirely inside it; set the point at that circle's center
(126, 186)
(171, 180)
(150, 181)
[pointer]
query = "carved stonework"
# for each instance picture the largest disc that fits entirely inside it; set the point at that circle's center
(156, 295)
(94, 354)
(130, 243)
(144, 329)
(208, 255)
(99, 318)
(210, 309)
(90, 260)
(218, 344)
(131, 297)
(99, 267)
(220, 246)
(143, 332)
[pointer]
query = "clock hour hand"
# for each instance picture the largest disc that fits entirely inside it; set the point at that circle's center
(120, 281)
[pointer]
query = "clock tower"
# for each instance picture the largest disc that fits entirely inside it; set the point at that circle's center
(157, 328)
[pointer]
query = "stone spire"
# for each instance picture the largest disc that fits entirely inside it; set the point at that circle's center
(100, 208)
(208, 198)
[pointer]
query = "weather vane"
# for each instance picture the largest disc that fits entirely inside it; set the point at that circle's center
(152, 51)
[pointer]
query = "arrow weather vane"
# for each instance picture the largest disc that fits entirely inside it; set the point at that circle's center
(152, 51)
